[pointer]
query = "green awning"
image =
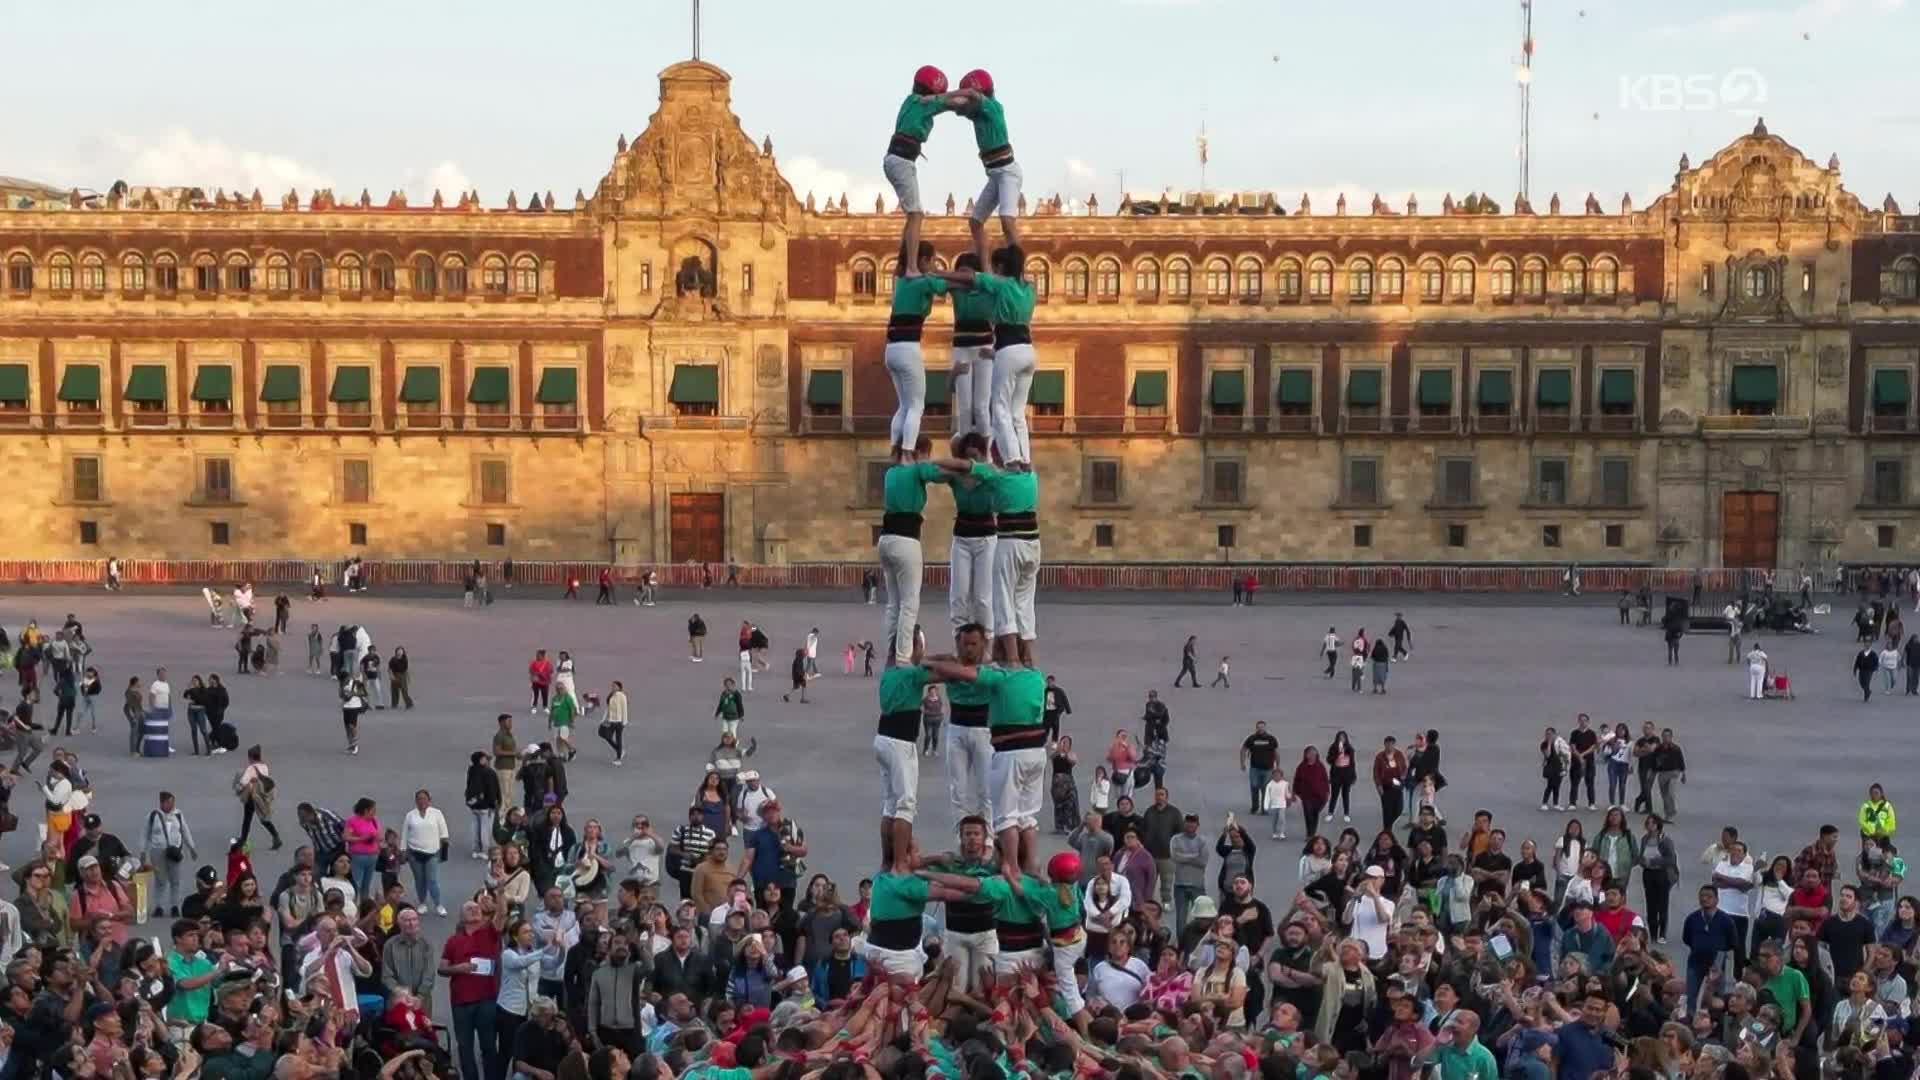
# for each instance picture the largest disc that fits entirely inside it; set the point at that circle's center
(147, 383)
(1363, 388)
(282, 383)
(1049, 388)
(1555, 390)
(81, 383)
(213, 382)
(695, 384)
(1149, 389)
(489, 386)
(1296, 387)
(939, 388)
(1616, 387)
(825, 387)
(558, 386)
(1755, 384)
(1496, 389)
(421, 385)
(13, 382)
(352, 386)
(1890, 387)
(1436, 389)
(1229, 388)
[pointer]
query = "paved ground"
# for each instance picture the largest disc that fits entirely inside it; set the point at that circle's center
(1487, 675)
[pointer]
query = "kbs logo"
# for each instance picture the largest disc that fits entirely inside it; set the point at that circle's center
(1741, 91)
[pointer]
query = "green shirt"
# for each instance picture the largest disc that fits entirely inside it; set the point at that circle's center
(971, 496)
(1019, 696)
(968, 693)
(1012, 298)
(901, 688)
(1790, 992)
(914, 295)
(971, 304)
(1473, 1063)
(897, 896)
(905, 487)
(189, 1005)
(1007, 906)
(1011, 492)
(1059, 903)
(731, 705)
(917, 113)
(989, 123)
(560, 714)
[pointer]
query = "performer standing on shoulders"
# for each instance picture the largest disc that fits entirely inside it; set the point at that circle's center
(1018, 773)
(1016, 558)
(897, 748)
(906, 366)
(1013, 358)
(911, 127)
(972, 358)
(976, 102)
(971, 568)
(969, 739)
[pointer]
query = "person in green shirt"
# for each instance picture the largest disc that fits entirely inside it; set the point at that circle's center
(897, 748)
(970, 558)
(896, 914)
(969, 738)
(903, 510)
(1014, 495)
(911, 127)
(972, 359)
(560, 719)
(1016, 775)
(1461, 1056)
(1013, 356)
(976, 102)
(731, 709)
(913, 297)
(1019, 928)
(1789, 990)
(193, 973)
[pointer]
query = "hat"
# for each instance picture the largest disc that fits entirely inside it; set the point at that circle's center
(207, 875)
(1376, 872)
(1063, 867)
(1202, 907)
(586, 873)
(796, 974)
(88, 860)
(749, 775)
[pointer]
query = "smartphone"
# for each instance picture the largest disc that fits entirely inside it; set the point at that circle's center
(1501, 947)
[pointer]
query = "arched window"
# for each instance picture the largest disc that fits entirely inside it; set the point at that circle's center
(453, 274)
(1391, 280)
(526, 276)
(1246, 279)
(1573, 278)
(1757, 282)
(353, 274)
(133, 272)
(1217, 275)
(1076, 278)
(206, 273)
(1146, 280)
(493, 275)
(312, 273)
(1106, 279)
(1179, 279)
(1320, 279)
(865, 278)
(20, 273)
(166, 273)
(1286, 281)
(1040, 277)
(1902, 282)
(426, 276)
(93, 272)
(60, 272)
(889, 270)
(1533, 278)
(279, 274)
(1360, 281)
(380, 273)
(239, 273)
(1460, 279)
(1433, 281)
(1500, 279)
(1604, 282)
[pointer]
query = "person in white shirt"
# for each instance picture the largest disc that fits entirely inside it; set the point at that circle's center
(644, 852)
(169, 845)
(1371, 914)
(1120, 979)
(424, 835)
(1330, 648)
(1276, 798)
(614, 727)
(1733, 876)
(1889, 663)
(753, 795)
(813, 653)
(1756, 673)
(160, 693)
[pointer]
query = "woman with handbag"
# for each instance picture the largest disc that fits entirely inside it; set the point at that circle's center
(169, 845)
(254, 787)
(613, 729)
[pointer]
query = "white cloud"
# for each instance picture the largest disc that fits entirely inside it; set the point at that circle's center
(178, 157)
(807, 173)
(448, 178)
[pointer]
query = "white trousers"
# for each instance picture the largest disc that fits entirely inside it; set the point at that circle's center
(969, 765)
(973, 952)
(900, 569)
(746, 670)
(970, 582)
(1012, 964)
(1016, 779)
(909, 374)
(1016, 576)
(1756, 681)
(972, 381)
(1064, 984)
(1012, 382)
(1002, 192)
(910, 964)
(899, 776)
(904, 176)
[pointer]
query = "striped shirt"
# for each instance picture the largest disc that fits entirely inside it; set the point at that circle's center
(694, 841)
(326, 832)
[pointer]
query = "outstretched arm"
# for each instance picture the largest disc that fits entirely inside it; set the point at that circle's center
(952, 670)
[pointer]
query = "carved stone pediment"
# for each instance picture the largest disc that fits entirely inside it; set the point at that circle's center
(695, 158)
(1761, 177)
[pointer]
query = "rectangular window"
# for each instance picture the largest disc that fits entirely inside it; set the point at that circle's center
(695, 390)
(213, 391)
(1806, 279)
(1553, 393)
(219, 534)
(493, 481)
(86, 479)
(352, 395)
(280, 392)
(1149, 397)
(489, 397)
(1616, 481)
(216, 480)
(1614, 535)
(1550, 536)
(558, 396)
(873, 489)
(15, 391)
(1889, 482)
(89, 532)
(1456, 536)
(357, 533)
(1103, 480)
(646, 277)
(1363, 481)
(746, 279)
(1891, 393)
(1363, 536)
(1227, 393)
(80, 388)
(206, 278)
(1883, 536)
(356, 480)
(826, 392)
(1706, 279)
(1434, 392)
(1226, 535)
(1103, 536)
(1550, 481)
(420, 394)
(1754, 389)
(1225, 482)
(1294, 397)
(1617, 392)
(1455, 482)
(1048, 395)
(1496, 393)
(496, 534)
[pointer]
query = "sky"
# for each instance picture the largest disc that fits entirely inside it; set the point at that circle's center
(1315, 96)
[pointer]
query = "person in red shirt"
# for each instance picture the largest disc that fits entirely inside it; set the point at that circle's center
(540, 678)
(470, 962)
(1613, 914)
(1810, 900)
(605, 595)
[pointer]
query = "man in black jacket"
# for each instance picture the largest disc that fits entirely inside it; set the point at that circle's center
(483, 799)
(1056, 705)
(682, 969)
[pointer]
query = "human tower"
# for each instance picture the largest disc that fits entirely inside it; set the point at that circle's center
(1003, 921)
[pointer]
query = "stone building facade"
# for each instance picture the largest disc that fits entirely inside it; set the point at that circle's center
(687, 365)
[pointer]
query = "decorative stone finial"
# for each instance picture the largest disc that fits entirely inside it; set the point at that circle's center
(291, 200)
(1890, 206)
(366, 199)
(1833, 163)
(949, 204)
(766, 146)
(1447, 204)
(1593, 204)
(1760, 126)
(1553, 204)
(549, 198)
(513, 199)
(843, 202)
(1022, 208)
(439, 203)
(1093, 202)
(1413, 204)
(1340, 205)
(969, 210)
(533, 202)
(1379, 206)
(621, 146)
(1685, 164)
(1626, 203)
(254, 201)
(1306, 204)
(579, 199)
(809, 202)
(879, 204)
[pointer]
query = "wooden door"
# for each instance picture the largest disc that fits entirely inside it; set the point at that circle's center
(1750, 528)
(698, 525)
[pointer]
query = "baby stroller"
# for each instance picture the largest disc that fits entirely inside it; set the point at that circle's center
(1778, 687)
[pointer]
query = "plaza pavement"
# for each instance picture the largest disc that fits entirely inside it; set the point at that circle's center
(1488, 675)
